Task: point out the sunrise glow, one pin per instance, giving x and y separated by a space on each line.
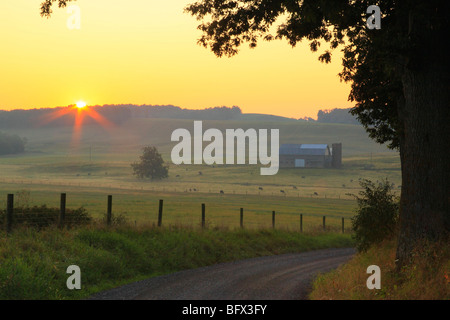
148 54
81 104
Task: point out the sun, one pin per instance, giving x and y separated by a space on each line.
81 104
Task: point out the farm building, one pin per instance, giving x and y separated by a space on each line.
310 156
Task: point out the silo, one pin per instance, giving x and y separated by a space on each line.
336 161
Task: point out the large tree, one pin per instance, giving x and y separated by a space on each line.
399 77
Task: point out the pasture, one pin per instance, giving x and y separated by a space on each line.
95 162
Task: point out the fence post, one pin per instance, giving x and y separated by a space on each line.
242 218
203 215
323 223
9 212
109 212
343 225
62 210
273 219
160 213
301 222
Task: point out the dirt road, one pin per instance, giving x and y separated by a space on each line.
282 277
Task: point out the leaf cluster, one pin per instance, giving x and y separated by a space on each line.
46 6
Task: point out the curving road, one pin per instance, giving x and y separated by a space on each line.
281 277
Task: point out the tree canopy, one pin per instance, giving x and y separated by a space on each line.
151 165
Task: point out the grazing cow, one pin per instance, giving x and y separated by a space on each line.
316 194
221 191
282 191
260 188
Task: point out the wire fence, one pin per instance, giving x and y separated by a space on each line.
41 216
63 217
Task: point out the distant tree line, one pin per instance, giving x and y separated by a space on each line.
65 116
60 116
334 116
120 113
11 144
216 113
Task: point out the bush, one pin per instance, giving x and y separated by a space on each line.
120 219
43 216
377 214
11 144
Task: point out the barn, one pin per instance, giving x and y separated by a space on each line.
310 156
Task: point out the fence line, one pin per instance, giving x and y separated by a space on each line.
62 210
61 222
248 191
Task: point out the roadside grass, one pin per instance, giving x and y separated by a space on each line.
426 277
33 263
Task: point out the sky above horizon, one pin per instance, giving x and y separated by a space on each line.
146 52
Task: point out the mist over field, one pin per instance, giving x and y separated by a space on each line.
94 158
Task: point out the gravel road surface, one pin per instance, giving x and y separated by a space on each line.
281 277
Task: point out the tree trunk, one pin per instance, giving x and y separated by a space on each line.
424 152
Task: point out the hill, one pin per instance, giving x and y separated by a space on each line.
125 140
264 117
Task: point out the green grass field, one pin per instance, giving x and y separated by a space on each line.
88 170
99 164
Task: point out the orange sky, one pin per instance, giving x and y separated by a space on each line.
146 52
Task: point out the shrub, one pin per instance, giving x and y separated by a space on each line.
377 214
11 144
120 219
43 216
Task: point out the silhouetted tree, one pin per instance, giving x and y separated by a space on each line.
399 76
151 165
